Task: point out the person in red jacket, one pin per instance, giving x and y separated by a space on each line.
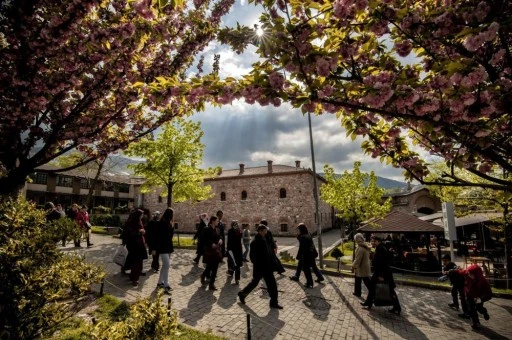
477 291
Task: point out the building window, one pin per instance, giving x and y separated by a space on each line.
64 181
223 196
108 186
40 178
244 195
282 193
124 187
84 183
159 199
284 227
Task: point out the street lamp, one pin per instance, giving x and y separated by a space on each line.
315 194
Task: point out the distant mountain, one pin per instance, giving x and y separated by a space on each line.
384 183
119 164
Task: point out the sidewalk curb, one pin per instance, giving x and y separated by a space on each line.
403 282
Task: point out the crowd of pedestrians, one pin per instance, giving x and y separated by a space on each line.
470 289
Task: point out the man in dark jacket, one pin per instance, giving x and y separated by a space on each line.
457 282
222 232
272 244
262 257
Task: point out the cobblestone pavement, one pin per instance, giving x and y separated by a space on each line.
328 311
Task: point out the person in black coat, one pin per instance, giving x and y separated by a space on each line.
164 247
381 273
262 257
222 232
133 238
151 239
203 222
306 253
212 255
457 282
234 249
272 244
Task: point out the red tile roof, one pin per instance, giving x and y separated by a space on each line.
400 222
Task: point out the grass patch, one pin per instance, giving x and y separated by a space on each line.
99 230
111 308
184 332
347 248
185 241
73 328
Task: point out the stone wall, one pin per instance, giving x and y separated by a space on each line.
263 202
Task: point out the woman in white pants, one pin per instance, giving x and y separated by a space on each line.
163 241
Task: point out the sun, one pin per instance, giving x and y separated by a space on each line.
259 32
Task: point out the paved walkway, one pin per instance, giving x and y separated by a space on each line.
328 311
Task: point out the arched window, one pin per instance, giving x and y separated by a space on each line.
223 196
160 199
282 193
244 195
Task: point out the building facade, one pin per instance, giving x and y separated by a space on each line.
283 195
415 200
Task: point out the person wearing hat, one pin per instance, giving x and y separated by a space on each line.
262 257
152 240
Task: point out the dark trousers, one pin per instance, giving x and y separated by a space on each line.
371 295
307 272
474 309
135 270
270 281
459 292
155 264
211 272
314 268
279 266
357 284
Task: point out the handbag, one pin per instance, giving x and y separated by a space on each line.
121 255
383 294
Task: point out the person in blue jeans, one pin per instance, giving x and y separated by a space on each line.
163 246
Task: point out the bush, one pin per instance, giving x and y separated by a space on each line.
106 220
101 210
66 228
148 319
122 209
40 286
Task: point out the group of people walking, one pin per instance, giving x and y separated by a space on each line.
76 213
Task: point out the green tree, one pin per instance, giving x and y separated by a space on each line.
41 287
172 161
355 195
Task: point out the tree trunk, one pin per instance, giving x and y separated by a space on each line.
169 194
12 184
94 182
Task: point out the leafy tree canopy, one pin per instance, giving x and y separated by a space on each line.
434 73
71 74
355 195
172 161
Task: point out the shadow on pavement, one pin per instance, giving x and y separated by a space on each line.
316 302
199 305
266 327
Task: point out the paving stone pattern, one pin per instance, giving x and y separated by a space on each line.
327 311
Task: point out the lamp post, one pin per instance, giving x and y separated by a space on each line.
315 194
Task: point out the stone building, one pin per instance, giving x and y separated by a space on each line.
281 194
415 200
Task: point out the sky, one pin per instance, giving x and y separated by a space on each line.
252 134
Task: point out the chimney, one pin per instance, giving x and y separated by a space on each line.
297 164
241 168
269 165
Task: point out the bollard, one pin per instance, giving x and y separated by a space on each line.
102 286
169 307
248 327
